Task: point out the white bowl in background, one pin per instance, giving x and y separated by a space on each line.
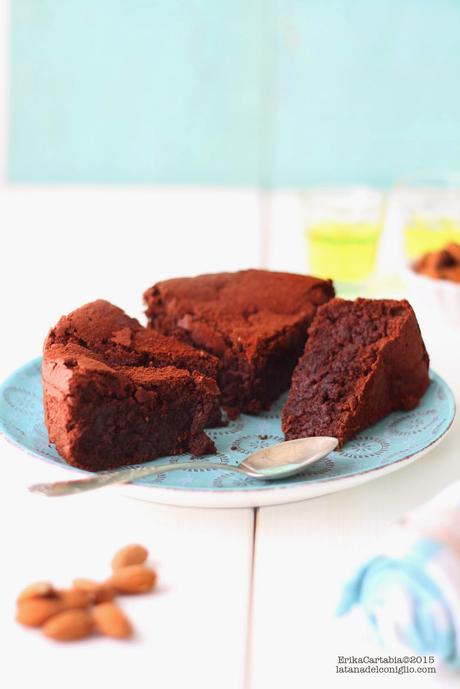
432 296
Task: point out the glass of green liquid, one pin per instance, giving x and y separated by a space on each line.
430 208
342 231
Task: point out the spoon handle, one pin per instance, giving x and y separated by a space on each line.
125 475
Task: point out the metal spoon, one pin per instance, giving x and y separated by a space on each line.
270 463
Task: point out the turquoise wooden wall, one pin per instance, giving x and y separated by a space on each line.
233 92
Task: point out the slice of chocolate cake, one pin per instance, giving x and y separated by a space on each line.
254 321
363 360
116 393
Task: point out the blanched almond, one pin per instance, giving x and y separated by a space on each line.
75 598
133 554
33 612
39 589
100 593
112 621
133 579
69 625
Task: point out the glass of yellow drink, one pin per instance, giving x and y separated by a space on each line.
430 213
342 230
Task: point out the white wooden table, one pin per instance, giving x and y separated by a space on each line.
246 597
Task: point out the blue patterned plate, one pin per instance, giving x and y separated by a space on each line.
391 444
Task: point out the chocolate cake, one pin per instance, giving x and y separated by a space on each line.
254 321
363 360
443 264
116 393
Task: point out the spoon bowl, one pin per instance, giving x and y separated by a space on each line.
288 458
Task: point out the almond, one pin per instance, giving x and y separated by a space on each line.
40 589
133 554
112 621
75 598
69 625
33 612
100 593
133 579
